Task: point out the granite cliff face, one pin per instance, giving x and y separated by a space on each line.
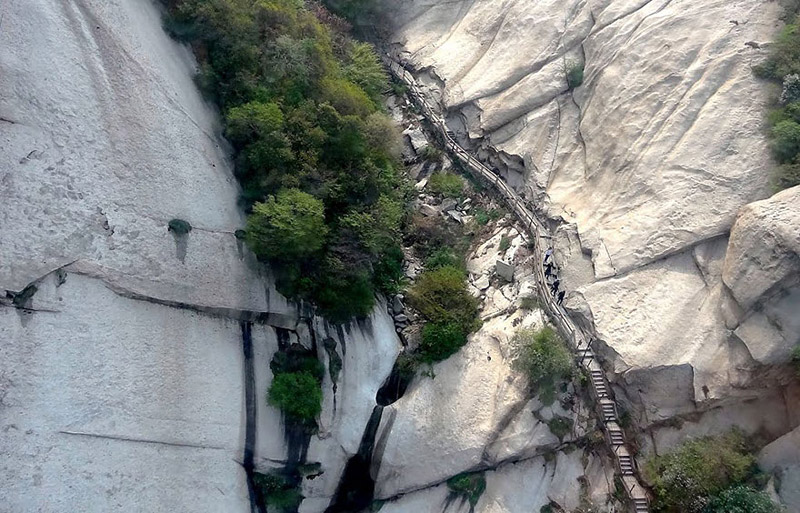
134 362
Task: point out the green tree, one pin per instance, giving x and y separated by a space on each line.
742 499
685 479
287 226
541 355
297 394
440 341
441 296
364 69
786 141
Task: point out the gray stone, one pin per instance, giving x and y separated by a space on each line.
421 184
456 216
448 204
504 270
397 303
428 210
401 318
417 139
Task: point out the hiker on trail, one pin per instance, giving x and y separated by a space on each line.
560 297
548 254
554 286
548 269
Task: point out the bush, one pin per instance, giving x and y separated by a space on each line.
288 226
560 426
440 341
469 486
685 479
297 394
432 153
444 257
786 176
278 492
786 141
447 185
179 226
574 71
542 356
505 243
441 296
742 499
530 303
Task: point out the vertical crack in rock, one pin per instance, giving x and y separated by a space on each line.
357 485
250 416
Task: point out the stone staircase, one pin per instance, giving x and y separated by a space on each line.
580 341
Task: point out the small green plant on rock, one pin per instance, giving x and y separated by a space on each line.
179 226
560 426
469 486
505 243
447 185
530 302
277 492
542 356
574 71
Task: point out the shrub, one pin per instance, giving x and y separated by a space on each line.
574 71
289 225
786 141
530 303
179 226
447 185
432 153
542 356
796 358
277 492
441 296
297 394
560 426
505 243
440 341
443 257
742 499
469 486
685 479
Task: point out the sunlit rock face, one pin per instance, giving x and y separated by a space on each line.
123 362
645 168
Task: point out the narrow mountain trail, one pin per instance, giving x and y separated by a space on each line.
579 340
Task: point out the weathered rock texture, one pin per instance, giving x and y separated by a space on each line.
644 168
122 365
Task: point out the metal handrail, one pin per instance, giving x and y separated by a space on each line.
573 333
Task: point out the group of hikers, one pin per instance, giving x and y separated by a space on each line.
550 274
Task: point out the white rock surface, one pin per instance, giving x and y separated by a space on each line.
782 457
138 354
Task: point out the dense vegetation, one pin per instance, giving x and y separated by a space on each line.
706 475
544 358
317 159
278 492
783 66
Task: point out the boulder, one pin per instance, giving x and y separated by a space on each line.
416 139
504 270
448 204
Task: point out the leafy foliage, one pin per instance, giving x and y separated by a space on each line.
278 492
783 65
574 72
317 160
796 358
447 185
505 243
686 479
560 426
297 394
179 226
542 356
469 486
290 225
743 499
